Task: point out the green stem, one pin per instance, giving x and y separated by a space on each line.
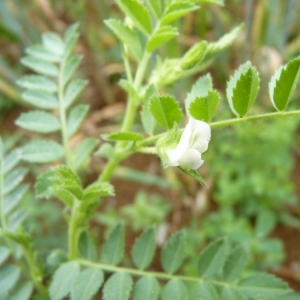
74 232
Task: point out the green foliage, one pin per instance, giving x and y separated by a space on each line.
123 136
175 289
193 56
146 288
161 36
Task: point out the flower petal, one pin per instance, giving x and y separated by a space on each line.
191 159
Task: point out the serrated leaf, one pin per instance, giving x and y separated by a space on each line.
212 258
41 67
71 66
138 13
283 83
4 253
97 190
106 150
38 121
234 264
53 43
205 291
76 117
40 99
43 185
63 280
23 292
41 53
70 38
146 288
265 223
11 200
118 287
37 82
127 36
74 88
161 36
155 6
83 151
123 136
264 286
193 56
177 10
229 293
144 249
87 284
9 275
203 108
13 179
15 220
42 151
11 160
194 174
242 89
113 249
165 110
175 290
146 116
173 252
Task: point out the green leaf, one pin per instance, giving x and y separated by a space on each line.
161 36
283 83
76 117
37 82
53 43
43 185
106 150
12 200
11 160
263 286
113 249
4 253
242 89
217 2
42 151
234 264
212 258
71 65
155 6
177 10
173 252
194 174
63 280
23 292
265 223
13 179
15 219
83 151
38 121
205 291
9 276
175 290
230 293
41 53
200 89
146 116
193 56
138 13
123 136
40 99
127 36
87 284
144 249
41 67
146 288
97 190
203 108
87 247
74 88
118 287
166 111
70 38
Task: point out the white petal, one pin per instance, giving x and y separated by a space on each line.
200 145
191 159
200 129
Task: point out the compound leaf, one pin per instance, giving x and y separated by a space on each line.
74 88
76 117
37 82
53 43
40 99
41 67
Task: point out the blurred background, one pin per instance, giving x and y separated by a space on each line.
253 170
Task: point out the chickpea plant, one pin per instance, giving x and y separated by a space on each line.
52 93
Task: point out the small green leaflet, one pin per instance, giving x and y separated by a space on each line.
41 53
148 121
23 292
106 150
37 82
161 36
173 252
242 89
72 64
53 43
146 288
13 199
265 223
194 174
113 249
38 121
42 151
166 111
4 253
40 99
155 6
63 280
283 83
203 108
127 36
96 190
13 179
175 290
9 275
41 67
231 293
193 56
118 287
123 136
43 185
70 38
138 13
74 88
217 2
11 160
76 117
205 291
144 249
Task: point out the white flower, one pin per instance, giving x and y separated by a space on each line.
194 141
